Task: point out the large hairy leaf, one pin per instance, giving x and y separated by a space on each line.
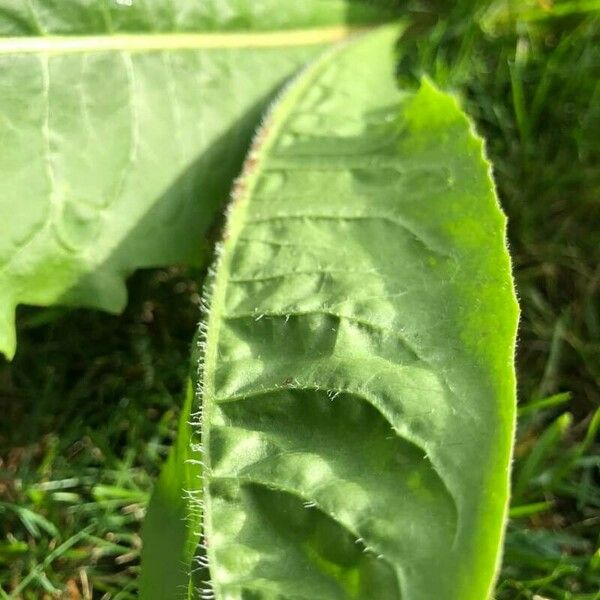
357 384
171 526
120 139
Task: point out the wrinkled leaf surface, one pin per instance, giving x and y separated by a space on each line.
358 386
122 125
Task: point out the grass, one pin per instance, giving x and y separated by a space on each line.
89 405
89 408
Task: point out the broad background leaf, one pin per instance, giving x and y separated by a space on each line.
121 131
358 389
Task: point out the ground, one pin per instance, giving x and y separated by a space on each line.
89 406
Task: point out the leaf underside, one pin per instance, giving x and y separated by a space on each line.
358 387
117 158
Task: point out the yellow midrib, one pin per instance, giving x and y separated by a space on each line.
175 41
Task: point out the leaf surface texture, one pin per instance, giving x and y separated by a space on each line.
358 385
123 124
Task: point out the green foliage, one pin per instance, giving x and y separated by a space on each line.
81 433
361 325
84 425
43 17
529 75
121 140
553 539
172 523
84 430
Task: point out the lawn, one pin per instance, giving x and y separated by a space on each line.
90 403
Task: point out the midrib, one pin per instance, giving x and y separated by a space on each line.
175 41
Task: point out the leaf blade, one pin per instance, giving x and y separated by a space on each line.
120 147
364 287
43 17
173 518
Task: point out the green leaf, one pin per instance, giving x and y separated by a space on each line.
358 387
43 17
171 526
123 124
